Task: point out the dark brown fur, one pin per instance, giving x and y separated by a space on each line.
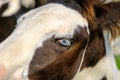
111 19
102 16
7 24
104 78
95 50
57 62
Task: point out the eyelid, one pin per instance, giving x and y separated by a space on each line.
56 39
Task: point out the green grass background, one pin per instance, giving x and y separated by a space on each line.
117 59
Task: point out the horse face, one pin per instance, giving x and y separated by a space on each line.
55 34
62 40
63 44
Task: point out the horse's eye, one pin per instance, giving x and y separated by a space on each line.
65 42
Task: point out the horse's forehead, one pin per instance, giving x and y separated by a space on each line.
52 18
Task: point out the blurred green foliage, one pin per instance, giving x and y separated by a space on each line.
117 58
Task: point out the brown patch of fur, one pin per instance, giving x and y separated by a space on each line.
88 10
55 62
102 16
95 50
111 19
40 2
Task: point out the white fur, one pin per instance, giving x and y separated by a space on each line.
105 67
116 45
38 25
14 5
107 1
28 3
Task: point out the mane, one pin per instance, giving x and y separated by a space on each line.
102 16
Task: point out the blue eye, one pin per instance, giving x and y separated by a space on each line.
65 42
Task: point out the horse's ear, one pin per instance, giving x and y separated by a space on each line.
108 17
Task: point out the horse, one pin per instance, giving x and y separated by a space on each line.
63 40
